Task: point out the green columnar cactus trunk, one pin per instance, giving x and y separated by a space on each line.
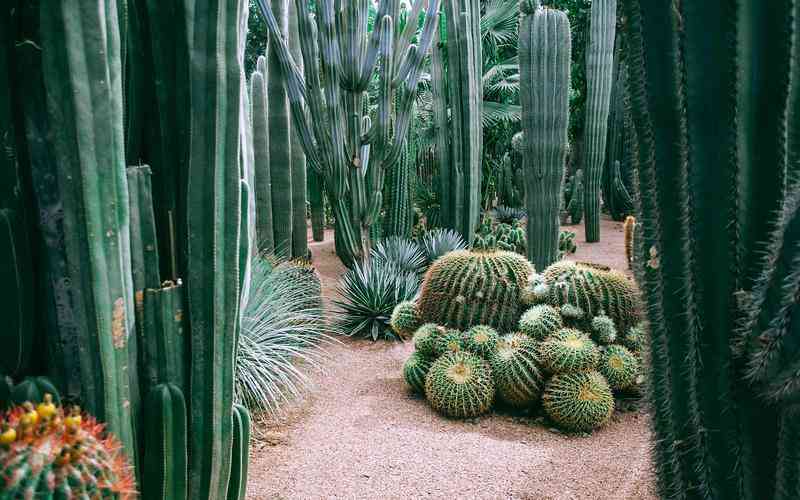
16 270
316 199
544 57
169 29
464 85
165 463
329 97
712 86
397 221
280 144
214 223
441 124
82 73
241 453
599 66
298 157
263 187
164 343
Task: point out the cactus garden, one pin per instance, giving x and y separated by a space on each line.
374 249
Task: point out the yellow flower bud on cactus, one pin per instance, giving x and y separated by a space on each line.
8 436
46 409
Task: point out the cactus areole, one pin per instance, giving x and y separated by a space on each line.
340 57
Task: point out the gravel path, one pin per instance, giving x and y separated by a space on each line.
361 434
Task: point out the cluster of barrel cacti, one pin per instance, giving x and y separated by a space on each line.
111 84
570 358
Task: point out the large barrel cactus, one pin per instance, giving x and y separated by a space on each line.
544 53
715 91
599 69
464 289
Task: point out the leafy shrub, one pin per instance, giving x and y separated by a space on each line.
283 335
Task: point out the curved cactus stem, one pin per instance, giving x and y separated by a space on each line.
164 475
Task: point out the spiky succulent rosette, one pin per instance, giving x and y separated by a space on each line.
603 330
426 338
466 288
405 318
460 385
568 350
481 340
619 366
635 338
580 401
46 452
596 289
414 371
451 341
516 372
540 321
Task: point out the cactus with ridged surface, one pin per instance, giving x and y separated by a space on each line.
517 376
619 366
164 470
426 338
163 345
714 99
82 75
298 157
481 340
341 57
540 321
599 75
237 489
544 55
405 318
415 370
568 350
460 385
398 199
265 235
464 289
49 452
575 206
579 402
214 223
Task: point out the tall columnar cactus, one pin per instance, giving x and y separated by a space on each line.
340 57
265 236
398 216
544 56
280 133
714 88
617 180
82 75
165 451
298 157
599 69
214 220
464 70
237 488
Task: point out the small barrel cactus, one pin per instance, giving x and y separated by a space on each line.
426 337
619 366
481 340
47 452
451 341
464 289
580 401
567 351
635 338
516 372
414 371
539 322
460 385
603 329
405 318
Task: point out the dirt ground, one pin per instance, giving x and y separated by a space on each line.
359 433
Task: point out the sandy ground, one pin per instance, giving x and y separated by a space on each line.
361 434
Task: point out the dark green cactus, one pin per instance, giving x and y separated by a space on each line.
575 205
298 158
163 344
263 188
398 217
33 389
617 181
214 222
316 200
599 69
341 57
544 53
82 74
464 289
164 470
466 130
237 489
714 95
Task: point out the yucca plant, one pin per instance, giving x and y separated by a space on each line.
509 215
401 252
283 337
438 242
369 293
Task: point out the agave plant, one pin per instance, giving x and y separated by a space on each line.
401 252
509 215
283 335
438 242
369 293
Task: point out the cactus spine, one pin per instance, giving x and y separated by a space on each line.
263 187
82 74
544 54
599 66
298 158
712 85
214 219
